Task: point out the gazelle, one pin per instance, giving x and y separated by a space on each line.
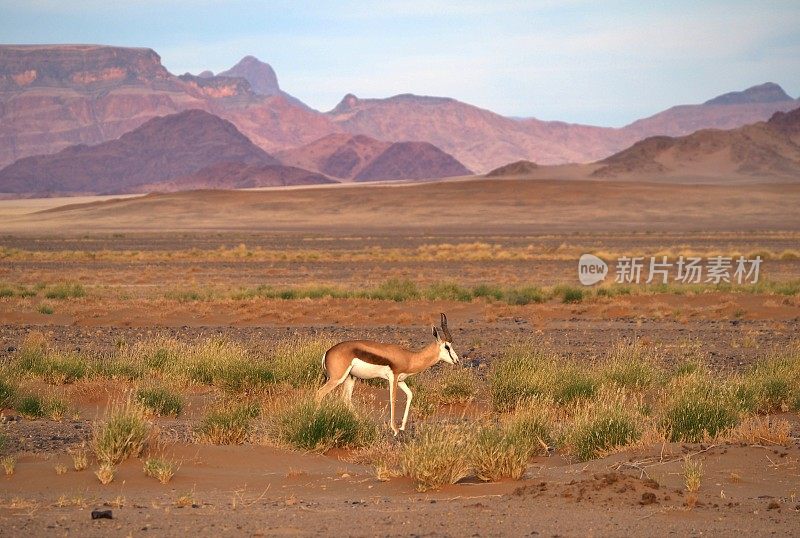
362 359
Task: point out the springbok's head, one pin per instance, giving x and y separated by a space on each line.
445 341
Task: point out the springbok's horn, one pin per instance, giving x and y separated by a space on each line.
446 331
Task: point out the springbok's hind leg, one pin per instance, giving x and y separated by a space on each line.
347 390
409 396
331 384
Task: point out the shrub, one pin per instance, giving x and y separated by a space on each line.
696 407
64 291
228 424
330 424
122 433
160 401
436 456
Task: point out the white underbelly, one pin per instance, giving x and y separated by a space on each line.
365 370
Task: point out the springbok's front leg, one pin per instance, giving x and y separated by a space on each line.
409 396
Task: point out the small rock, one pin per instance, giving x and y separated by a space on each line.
648 497
102 514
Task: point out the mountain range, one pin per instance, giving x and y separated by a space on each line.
59 95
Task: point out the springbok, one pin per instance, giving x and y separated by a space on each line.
362 359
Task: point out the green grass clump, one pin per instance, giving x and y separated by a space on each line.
298 362
574 384
696 406
45 309
395 289
522 372
437 456
602 426
54 367
457 385
569 294
65 291
308 426
160 469
31 406
488 291
533 424
160 401
228 424
773 383
448 291
121 433
524 295
8 390
498 454
526 371
631 366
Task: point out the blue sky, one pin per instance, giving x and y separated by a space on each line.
596 62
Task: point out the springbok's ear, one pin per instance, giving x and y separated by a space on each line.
436 333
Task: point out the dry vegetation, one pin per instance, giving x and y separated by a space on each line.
531 401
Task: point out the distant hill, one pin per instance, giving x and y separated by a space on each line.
160 150
239 175
338 155
54 96
362 158
763 149
412 160
519 168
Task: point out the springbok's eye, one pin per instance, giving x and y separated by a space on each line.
447 347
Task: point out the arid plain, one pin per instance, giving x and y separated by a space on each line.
108 301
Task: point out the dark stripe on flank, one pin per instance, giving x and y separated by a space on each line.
370 357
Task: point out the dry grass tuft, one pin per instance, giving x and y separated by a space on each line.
160 469
437 456
122 433
9 464
761 430
80 458
105 473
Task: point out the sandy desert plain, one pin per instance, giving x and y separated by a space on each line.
171 344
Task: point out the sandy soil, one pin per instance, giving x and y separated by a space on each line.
490 205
